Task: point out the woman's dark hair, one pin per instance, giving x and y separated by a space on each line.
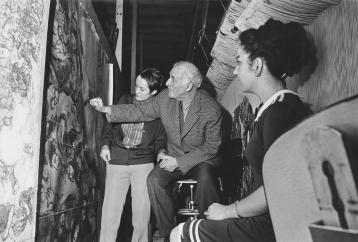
154 78
284 47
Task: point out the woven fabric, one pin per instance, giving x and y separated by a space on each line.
242 128
300 11
132 134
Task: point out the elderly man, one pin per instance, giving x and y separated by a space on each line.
192 121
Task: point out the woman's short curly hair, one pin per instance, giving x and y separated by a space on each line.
154 78
284 46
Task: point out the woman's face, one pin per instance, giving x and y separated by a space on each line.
142 91
243 72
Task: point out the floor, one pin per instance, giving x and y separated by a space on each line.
156 238
125 229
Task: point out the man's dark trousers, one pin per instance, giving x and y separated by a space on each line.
160 185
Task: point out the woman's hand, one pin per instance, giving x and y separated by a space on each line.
105 154
218 211
97 104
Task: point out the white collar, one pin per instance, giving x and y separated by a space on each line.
272 100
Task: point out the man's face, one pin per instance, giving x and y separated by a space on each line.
177 83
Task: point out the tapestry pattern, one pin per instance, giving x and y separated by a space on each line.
70 194
22 57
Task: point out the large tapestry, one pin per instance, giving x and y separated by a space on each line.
22 60
70 176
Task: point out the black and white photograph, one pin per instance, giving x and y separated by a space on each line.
179 120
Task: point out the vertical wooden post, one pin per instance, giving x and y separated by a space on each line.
140 49
134 43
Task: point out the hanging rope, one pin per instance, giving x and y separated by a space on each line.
201 33
207 61
202 36
226 43
207 40
222 4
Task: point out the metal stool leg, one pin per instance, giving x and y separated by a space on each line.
190 209
191 202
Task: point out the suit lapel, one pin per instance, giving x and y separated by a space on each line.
192 115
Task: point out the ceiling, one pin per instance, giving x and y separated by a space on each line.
164 31
167 31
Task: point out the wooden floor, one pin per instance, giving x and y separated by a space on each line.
156 238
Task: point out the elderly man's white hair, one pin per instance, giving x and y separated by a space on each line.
191 72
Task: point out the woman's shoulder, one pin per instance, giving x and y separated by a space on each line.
278 109
290 109
293 103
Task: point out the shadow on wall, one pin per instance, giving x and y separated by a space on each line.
231 168
336 37
230 150
305 74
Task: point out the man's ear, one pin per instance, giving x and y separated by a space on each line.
189 86
154 92
257 66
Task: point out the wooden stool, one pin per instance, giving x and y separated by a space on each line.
190 210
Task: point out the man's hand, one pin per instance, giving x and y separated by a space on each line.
105 154
97 103
218 211
161 154
168 163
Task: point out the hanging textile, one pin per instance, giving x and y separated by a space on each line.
242 128
300 11
246 14
226 42
220 76
220 72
